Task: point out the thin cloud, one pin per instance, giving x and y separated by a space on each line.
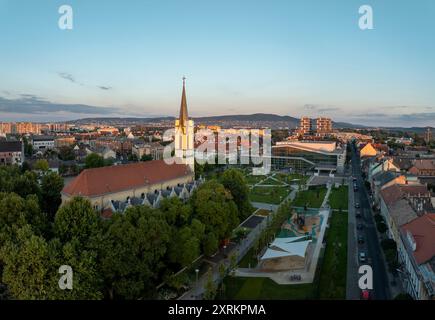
69 77
104 88
30 104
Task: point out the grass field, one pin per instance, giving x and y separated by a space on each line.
272 195
270 181
332 281
339 198
312 197
251 179
264 288
249 260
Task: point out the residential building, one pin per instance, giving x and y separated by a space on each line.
368 151
423 167
305 127
323 126
416 248
11 152
42 143
400 204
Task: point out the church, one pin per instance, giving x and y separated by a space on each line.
115 188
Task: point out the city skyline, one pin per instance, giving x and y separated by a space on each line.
290 58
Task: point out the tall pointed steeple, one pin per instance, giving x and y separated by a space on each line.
184 134
184 117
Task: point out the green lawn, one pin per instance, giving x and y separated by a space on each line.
312 197
272 195
339 198
264 288
248 260
332 281
270 181
251 179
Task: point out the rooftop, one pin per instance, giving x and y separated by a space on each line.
98 181
10 146
422 230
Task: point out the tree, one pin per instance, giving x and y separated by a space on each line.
87 280
94 160
26 184
382 227
210 287
235 182
131 258
210 244
215 208
184 248
175 211
27 266
32 263
25 167
76 220
51 186
16 212
66 153
41 165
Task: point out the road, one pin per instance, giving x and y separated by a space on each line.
371 245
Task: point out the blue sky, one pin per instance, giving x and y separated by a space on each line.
294 58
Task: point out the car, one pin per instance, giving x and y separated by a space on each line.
365 295
359 226
360 239
362 256
358 214
357 205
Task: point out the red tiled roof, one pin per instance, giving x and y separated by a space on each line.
391 194
397 191
424 164
98 181
423 232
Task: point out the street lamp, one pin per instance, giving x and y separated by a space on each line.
225 251
197 271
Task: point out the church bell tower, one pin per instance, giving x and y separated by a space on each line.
184 134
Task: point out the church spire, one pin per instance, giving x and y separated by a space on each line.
183 108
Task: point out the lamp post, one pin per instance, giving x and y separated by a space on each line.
225 251
197 271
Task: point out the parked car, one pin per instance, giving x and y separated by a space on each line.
360 239
357 205
359 226
365 295
362 257
358 214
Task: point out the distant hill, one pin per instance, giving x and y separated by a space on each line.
260 119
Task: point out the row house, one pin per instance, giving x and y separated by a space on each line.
423 167
416 247
401 204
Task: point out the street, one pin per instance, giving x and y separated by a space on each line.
367 231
